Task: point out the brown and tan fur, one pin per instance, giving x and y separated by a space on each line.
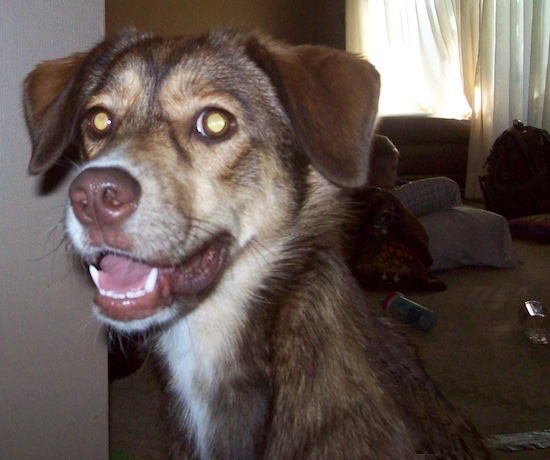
275 355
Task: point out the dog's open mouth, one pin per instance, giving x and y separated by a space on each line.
128 289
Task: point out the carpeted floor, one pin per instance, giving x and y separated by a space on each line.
476 353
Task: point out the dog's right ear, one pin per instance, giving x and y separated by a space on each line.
46 96
331 98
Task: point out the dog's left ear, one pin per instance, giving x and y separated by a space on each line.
331 97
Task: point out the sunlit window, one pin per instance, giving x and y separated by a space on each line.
414 45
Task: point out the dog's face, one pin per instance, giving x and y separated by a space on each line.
194 151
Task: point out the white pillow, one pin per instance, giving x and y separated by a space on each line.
466 236
424 196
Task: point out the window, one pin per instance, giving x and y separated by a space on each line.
414 45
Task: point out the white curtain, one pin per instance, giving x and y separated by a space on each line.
506 73
414 45
503 62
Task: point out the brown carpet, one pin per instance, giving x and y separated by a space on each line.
476 353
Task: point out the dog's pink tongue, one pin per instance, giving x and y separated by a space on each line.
121 274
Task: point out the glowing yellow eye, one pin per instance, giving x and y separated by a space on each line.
101 121
213 123
216 123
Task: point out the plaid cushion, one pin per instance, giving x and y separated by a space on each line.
425 196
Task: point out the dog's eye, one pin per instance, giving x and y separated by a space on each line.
214 123
99 123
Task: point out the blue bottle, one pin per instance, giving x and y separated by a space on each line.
409 312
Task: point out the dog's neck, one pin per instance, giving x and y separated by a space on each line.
222 346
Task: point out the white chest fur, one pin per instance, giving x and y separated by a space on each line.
196 348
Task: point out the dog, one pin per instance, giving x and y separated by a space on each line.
212 200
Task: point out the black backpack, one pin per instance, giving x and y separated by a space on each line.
517 182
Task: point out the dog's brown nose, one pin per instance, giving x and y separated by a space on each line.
104 196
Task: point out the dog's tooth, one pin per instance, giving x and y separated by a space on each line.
151 280
94 273
135 294
111 294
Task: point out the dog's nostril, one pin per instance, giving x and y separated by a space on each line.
110 196
79 203
104 196
78 196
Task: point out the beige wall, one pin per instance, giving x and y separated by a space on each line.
53 360
297 21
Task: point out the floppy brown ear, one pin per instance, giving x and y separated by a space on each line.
332 99
46 91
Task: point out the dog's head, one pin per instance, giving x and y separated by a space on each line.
190 149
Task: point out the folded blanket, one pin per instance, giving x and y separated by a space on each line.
390 245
